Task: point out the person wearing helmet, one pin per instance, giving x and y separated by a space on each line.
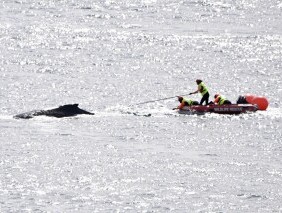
185 102
220 100
202 88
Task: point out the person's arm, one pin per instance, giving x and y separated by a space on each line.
180 106
198 90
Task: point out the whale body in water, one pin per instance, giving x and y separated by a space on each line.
62 111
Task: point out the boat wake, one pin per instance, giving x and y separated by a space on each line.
271 112
164 111
6 117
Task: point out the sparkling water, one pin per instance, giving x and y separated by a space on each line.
109 56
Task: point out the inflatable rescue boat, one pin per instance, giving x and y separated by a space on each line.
245 104
220 109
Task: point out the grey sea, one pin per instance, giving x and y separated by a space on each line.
111 56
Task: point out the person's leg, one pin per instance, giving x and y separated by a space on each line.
206 96
202 100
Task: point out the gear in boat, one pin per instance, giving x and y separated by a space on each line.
245 103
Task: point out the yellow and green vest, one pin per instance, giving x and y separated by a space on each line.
189 101
221 100
204 88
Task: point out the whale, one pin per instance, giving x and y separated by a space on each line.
67 110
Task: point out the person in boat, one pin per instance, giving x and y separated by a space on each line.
202 88
220 100
185 102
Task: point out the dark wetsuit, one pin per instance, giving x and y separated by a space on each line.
205 98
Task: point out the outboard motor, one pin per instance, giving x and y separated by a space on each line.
260 101
241 100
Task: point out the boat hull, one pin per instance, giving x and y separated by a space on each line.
219 109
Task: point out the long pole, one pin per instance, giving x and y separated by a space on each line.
161 99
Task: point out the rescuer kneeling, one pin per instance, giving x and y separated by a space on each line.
220 100
185 102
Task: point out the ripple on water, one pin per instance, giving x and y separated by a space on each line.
109 56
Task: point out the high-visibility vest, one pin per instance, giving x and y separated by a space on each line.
204 88
189 101
221 100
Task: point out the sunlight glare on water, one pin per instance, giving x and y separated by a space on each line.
121 60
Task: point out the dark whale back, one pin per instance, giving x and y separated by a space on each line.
62 111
